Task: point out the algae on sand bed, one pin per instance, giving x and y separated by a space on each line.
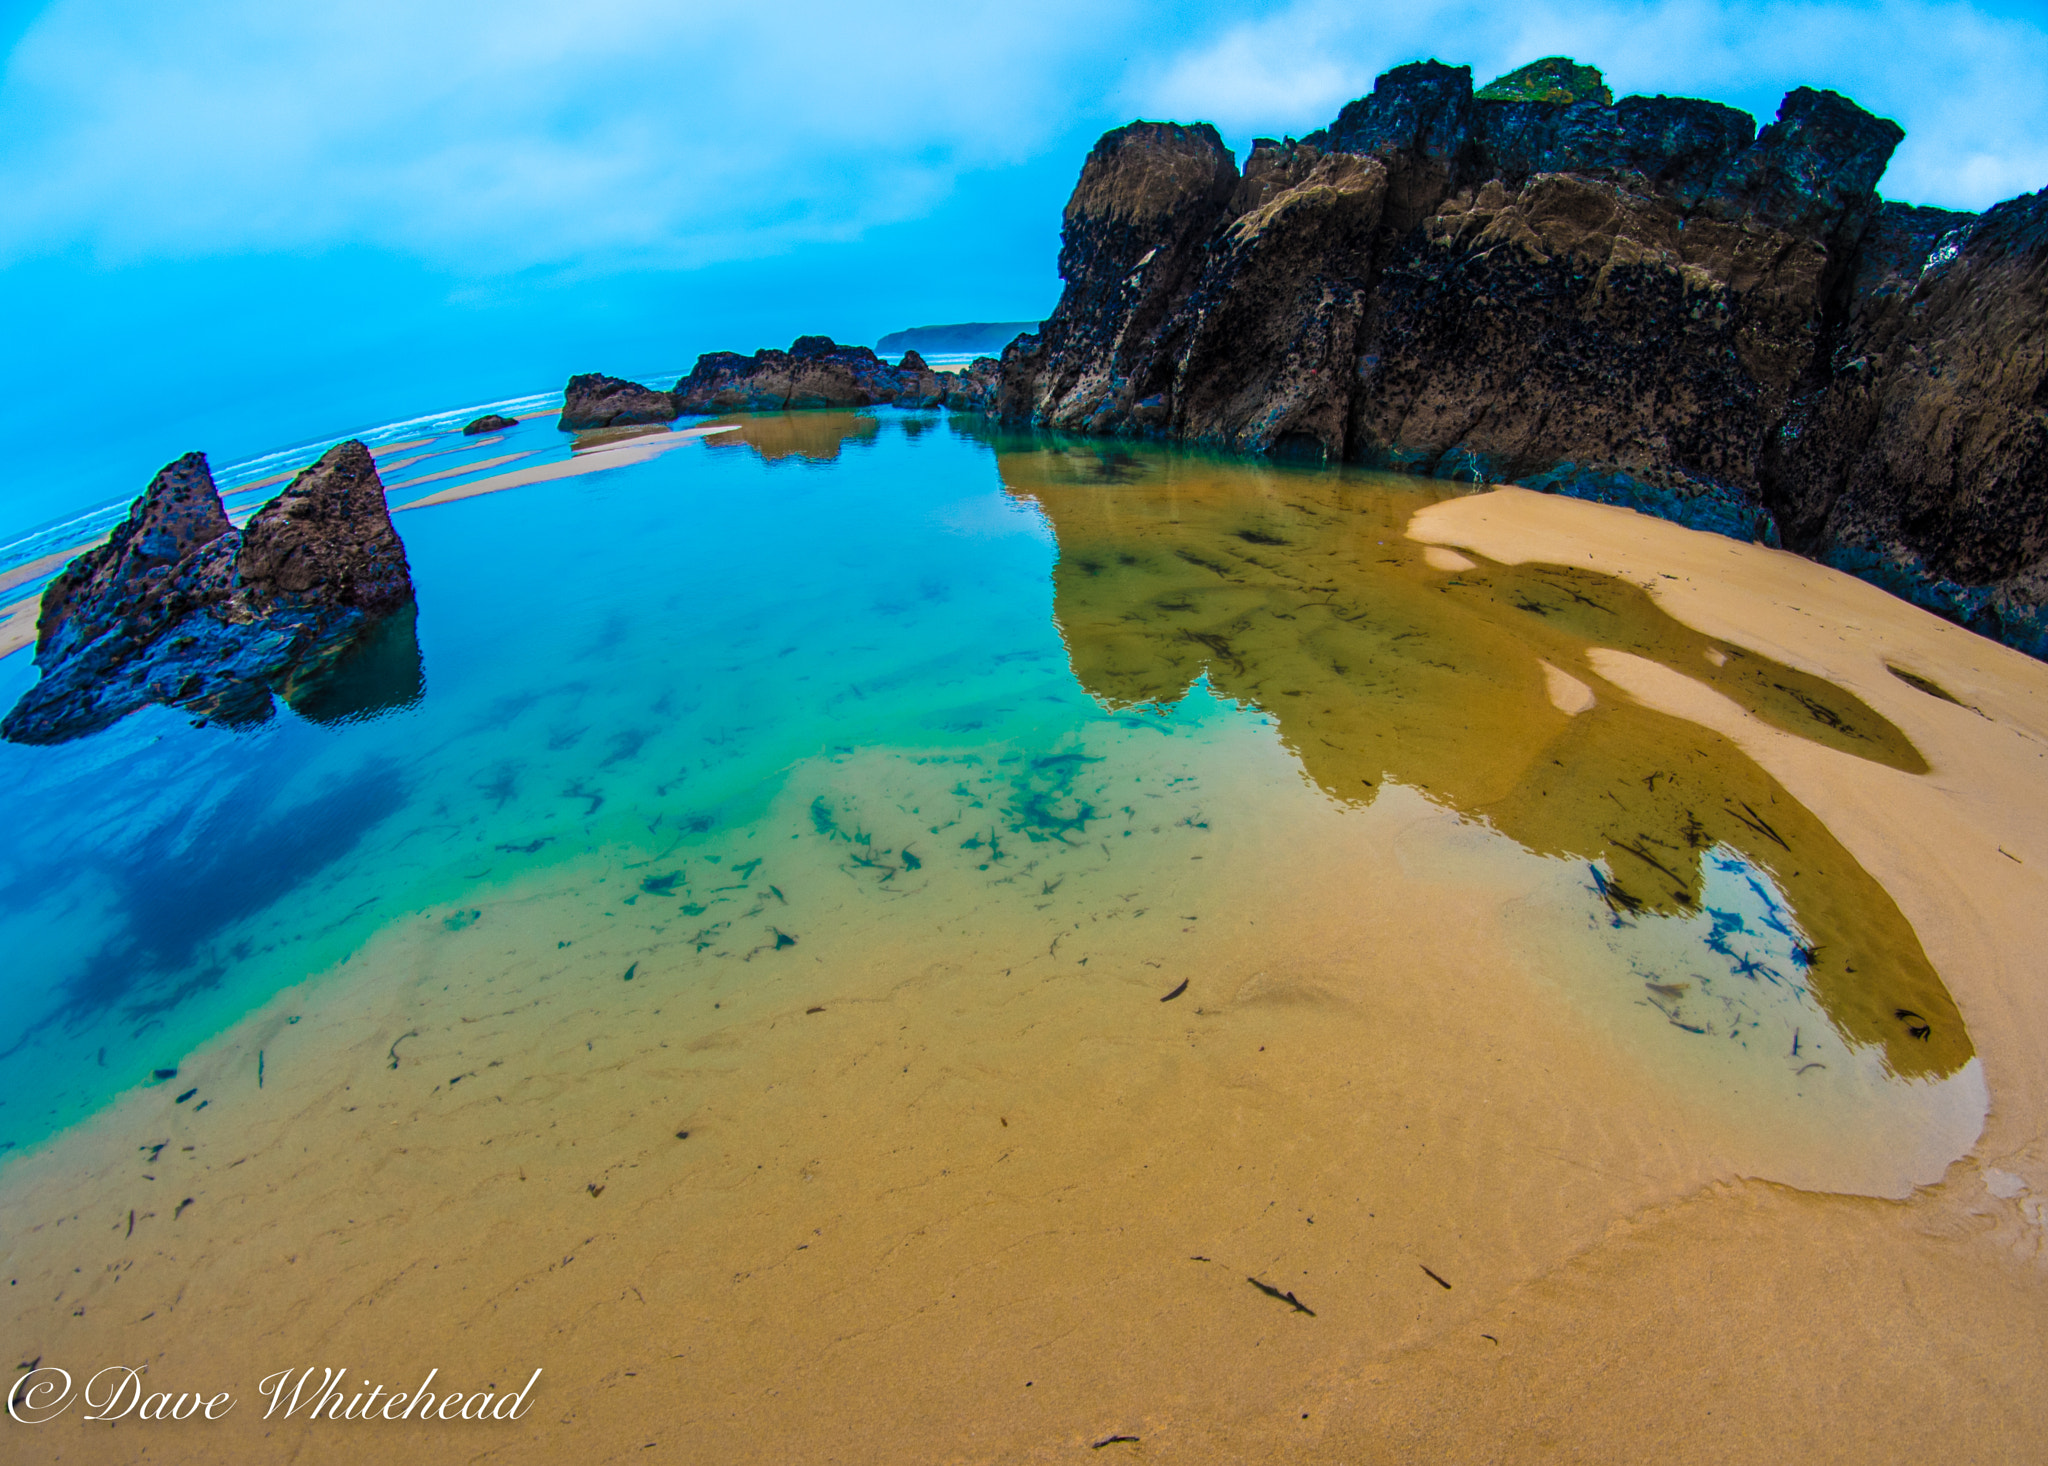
1300 593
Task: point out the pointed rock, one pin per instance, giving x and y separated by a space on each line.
180 609
163 561
326 541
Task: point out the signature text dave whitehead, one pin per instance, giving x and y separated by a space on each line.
118 1393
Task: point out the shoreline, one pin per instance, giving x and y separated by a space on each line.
985 1223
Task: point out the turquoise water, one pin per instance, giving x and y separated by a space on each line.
638 679
619 658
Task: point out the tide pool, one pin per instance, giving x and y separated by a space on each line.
625 670
852 908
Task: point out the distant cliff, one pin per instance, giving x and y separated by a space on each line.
985 337
1647 302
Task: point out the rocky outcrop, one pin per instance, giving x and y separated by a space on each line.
325 542
1445 282
595 400
173 555
490 422
1919 456
178 607
980 387
815 372
1646 302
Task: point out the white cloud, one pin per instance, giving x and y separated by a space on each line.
493 136
1969 86
514 132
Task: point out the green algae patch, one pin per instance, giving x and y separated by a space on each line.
1557 79
1300 594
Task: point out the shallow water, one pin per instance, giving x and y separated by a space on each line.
837 694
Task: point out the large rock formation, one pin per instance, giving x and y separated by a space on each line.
178 607
1917 453
1645 301
815 372
595 400
325 542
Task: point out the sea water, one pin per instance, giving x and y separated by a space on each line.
819 687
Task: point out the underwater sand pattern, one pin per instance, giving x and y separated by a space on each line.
943 1002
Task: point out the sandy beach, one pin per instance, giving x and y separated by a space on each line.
964 1188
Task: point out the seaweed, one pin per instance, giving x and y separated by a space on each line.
1288 1298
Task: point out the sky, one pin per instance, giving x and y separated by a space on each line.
235 225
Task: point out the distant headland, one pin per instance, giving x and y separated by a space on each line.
982 337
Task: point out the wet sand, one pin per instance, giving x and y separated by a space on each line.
38 568
18 624
477 467
967 1189
620 453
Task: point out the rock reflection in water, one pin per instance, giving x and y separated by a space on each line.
379 671
813 436
1300 593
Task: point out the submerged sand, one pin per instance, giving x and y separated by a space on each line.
18 624
969 1190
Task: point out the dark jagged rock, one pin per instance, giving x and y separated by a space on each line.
1424 110
815 372
595 400
180 608
1677 145
979 388
490 422
1419 122
1574 324
172 555
1922 458
1137 231
325 542
1812 173
1574 321
1815 448
1645 302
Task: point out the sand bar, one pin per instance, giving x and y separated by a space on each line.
385 448
594 460
44 565
459 469
18 625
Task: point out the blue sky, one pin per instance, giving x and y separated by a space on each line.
233 224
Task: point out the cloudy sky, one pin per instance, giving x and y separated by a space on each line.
232 224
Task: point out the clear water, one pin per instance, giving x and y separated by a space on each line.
892 650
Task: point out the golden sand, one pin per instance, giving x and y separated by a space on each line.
460 468
18 624
635 448
386 448
958 1185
